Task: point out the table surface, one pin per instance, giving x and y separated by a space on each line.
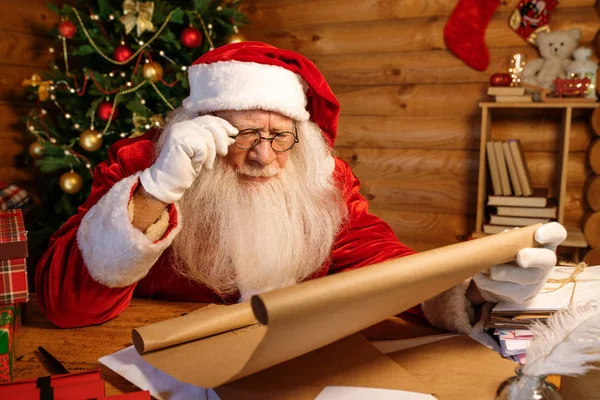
80 348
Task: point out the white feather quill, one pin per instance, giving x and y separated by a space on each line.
568 345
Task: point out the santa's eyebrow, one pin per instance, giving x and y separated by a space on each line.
262 129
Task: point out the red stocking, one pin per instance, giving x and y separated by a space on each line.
464 32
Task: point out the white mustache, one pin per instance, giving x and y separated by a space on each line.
267 171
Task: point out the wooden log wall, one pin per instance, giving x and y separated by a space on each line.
24 44
409 124
410 117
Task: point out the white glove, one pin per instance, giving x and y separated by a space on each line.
189 146
523 279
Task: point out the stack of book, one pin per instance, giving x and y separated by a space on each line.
509 94
511 321
517 202
514 343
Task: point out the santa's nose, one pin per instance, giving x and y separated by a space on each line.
263 153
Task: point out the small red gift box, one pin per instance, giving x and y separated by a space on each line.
13 236
72 386
13 253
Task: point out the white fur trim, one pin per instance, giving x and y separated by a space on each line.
236 85
451 310
117 254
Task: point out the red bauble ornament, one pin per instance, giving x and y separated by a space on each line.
191 37
500 79
67 29
104 110
122 53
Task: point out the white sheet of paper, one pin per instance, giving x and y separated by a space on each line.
131 366
551 301
360 393
516 344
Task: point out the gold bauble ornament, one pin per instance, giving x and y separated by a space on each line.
152 71
71 182
90 140
36 150
235 38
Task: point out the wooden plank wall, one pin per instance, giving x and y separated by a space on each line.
409 123
24 44
410 118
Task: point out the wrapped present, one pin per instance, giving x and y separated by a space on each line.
13 281
12 196
10 320
13 236
72 386
13 253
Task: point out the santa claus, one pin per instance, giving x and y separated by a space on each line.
240 194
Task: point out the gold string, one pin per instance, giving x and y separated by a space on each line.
64 44
87 35
212 46
114 106
578 268
162 96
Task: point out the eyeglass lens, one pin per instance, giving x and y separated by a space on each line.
282 141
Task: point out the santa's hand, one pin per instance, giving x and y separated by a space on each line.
189 146
525 277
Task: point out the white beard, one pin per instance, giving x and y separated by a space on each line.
253 237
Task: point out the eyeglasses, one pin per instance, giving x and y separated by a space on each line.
247 139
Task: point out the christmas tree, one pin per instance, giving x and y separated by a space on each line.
120 67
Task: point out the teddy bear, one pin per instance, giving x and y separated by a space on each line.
556 49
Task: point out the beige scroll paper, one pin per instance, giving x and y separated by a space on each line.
216 345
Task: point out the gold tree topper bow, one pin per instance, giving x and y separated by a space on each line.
43 86
138 13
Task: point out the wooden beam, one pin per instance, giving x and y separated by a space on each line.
412 100
445 181
444 196
13 142
592 192
594 155
452 133
25 49
399 164
415 67
34 18
265 14
591 228
405 35
418 230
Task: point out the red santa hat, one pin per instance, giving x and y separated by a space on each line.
254 75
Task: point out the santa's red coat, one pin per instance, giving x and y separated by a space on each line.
70 297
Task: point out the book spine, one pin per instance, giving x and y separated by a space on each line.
512 169
521 165
506 190
494 174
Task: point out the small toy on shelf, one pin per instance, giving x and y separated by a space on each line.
583 67
571 87
556 49
564 90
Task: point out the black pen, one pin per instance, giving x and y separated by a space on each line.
54 364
